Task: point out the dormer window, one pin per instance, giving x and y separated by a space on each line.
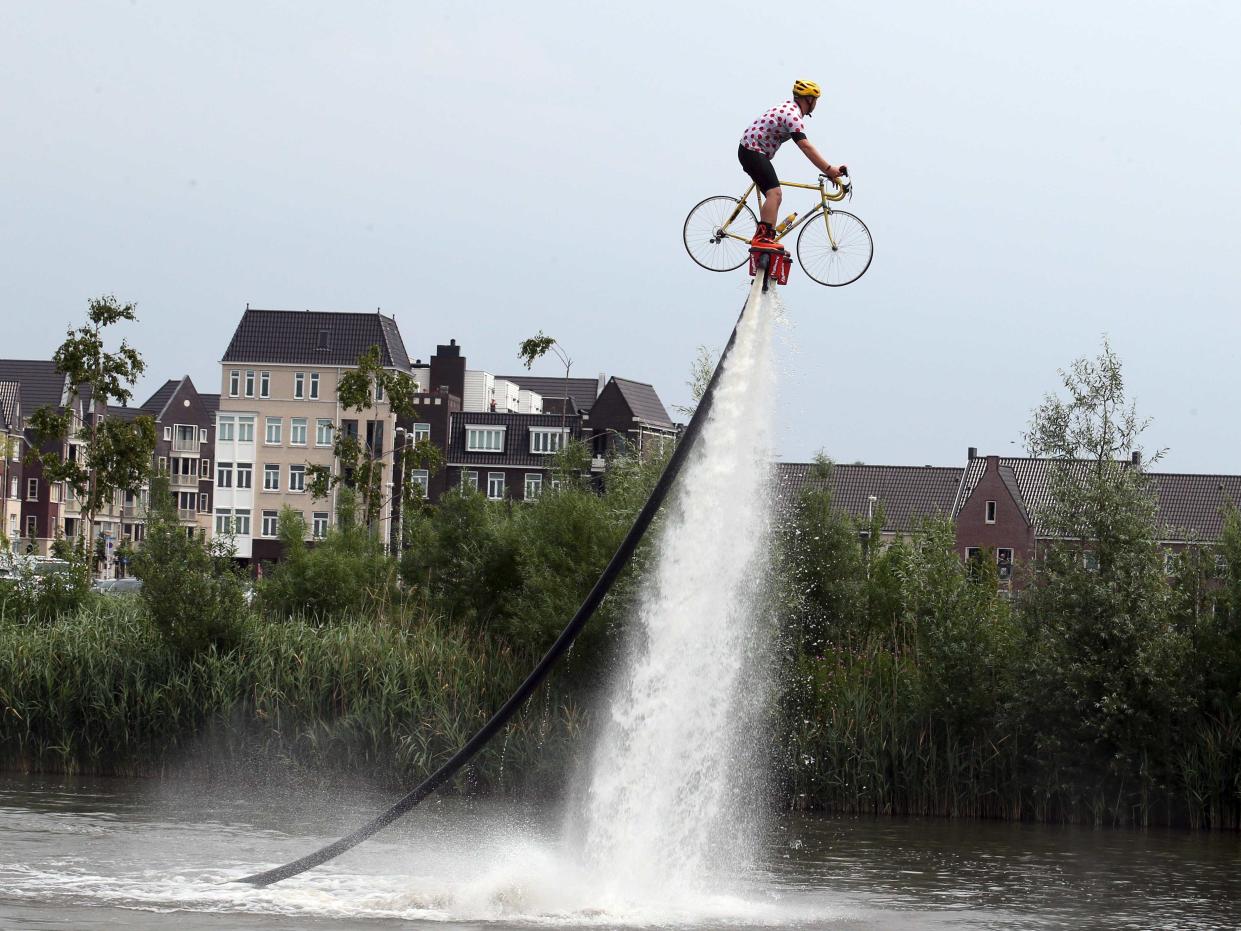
322 339
487 439
990 516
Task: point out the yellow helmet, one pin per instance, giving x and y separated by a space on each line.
805 89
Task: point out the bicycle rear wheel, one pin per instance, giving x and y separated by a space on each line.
715 238
837 259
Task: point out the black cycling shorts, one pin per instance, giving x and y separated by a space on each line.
758 166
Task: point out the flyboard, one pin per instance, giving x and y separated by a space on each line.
766 265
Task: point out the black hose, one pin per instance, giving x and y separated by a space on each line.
544 667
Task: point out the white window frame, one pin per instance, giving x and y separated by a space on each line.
278 424
319 524
204 469
323 432
271 469
245 429
495 477
1000 562
421 478
202 434
297 478
264 384
534 481
223 521
299 385
224 428
270 523
234 383
474 431
294 424
1170 559
32 489
988 514
314 386
422 431
244 470
469 479
547 441
223 475
202 502
32 526
168 434
239 528
249 383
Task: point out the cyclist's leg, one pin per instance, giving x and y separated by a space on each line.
763 173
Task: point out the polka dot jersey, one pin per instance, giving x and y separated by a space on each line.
773 128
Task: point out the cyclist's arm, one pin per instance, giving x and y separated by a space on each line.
816 159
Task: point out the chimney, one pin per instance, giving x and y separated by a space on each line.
972 452
1136 458
448 368
601 384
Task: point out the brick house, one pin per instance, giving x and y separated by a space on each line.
12 445
629 414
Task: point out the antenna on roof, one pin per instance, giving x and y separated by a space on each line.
247 305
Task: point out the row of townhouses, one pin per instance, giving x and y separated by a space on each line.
235 458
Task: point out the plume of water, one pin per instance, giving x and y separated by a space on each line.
673 797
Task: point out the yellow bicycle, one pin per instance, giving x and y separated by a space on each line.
834 247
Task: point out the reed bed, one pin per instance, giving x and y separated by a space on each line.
99 692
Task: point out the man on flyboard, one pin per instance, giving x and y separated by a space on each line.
759 144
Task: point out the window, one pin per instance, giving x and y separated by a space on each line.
421 478
990 518
271 477
245 429
234 383
323 433
534 484
495 485
271 520
168 433
299 384
297 478
224 475
249 383
54 492
1090 561
1004 563
422 431
186 438
224 428
314 385
32 526
264 384
297 431
469 479
484 439
162 465
32 489
14 487
202 503
273 431
379 390
223 521
245 475
202 434
973 553
546 441
1169 563
185 502
205 471
241 522
319 525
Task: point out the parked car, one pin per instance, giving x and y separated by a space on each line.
102 585
126 586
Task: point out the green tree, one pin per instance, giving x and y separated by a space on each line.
532 349
117 453
359 457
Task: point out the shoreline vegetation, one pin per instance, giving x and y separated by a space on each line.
1107 691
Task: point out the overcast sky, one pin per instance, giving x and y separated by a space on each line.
1035 175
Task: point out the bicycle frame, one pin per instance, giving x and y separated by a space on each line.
823 208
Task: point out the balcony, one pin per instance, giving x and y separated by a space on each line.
187 515
183 481
133 511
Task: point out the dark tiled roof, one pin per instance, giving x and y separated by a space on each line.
516 439
907 494
1193 506
129 413
210 401
644 403
10 406
582 390
156 403
41 383
1190 506
293 337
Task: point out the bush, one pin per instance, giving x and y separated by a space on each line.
193 592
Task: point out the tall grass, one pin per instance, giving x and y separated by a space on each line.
99 692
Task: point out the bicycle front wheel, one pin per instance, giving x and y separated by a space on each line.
835 248
718 231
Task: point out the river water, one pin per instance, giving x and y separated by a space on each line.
127 854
